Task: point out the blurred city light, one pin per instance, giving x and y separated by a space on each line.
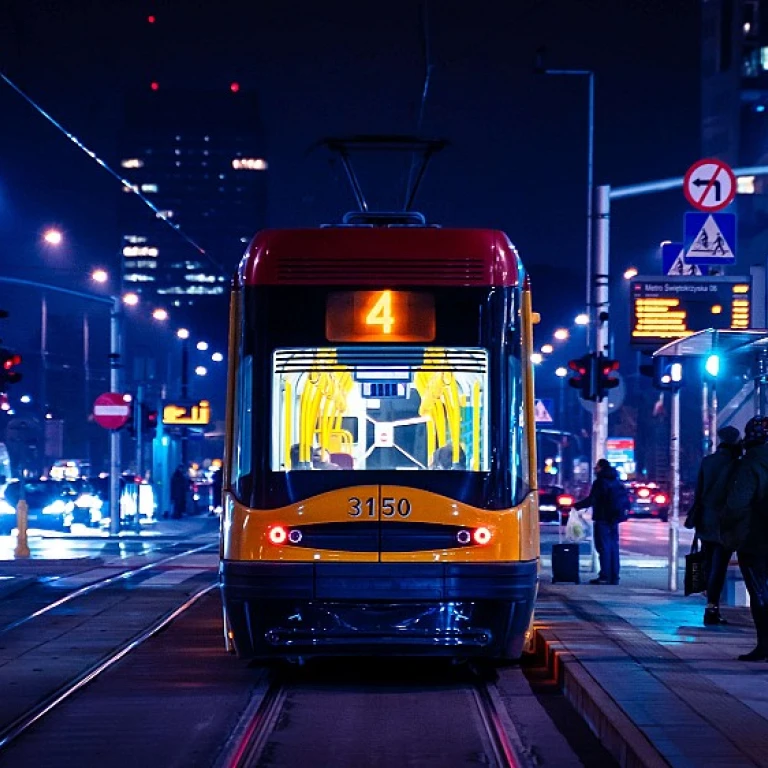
560 372
217 357
712 366
25 399
547 349
99 275
234 87
582 319
131 299
53 237
202 345
5 406
561 334
182 333
201 370
536 358
48 415
630 272
160 314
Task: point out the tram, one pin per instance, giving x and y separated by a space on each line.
380 475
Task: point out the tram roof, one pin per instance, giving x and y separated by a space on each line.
397 256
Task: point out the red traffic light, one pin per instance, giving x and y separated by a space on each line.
9 362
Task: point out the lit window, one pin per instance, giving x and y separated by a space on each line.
138 277
764 57
132 251
144 264
164 214
149 187
134 239
132 162
745 185
198 278
249 164
130 187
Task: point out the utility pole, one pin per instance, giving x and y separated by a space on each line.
674 523
115 383
600 312
184 397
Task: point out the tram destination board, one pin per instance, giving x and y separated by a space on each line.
663 309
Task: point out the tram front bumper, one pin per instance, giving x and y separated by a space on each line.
279 609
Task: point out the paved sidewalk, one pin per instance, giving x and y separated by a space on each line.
657 686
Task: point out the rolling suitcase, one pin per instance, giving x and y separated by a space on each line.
565 563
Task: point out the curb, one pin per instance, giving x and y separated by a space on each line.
12 584
617 733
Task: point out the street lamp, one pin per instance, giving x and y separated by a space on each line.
53 237
183 334
547 349
131 299
561 334
561 373
202 346
201 370
99 275
582 319
160 314
536 358
217 357
630 272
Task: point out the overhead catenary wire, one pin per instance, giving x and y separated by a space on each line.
132 188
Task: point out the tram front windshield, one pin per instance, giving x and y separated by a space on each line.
369 408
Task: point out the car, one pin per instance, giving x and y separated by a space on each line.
7 517
46 507
89 508
648 500
554 504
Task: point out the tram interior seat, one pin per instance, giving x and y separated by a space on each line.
343 460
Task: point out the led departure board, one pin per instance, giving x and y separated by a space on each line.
380 316
668 308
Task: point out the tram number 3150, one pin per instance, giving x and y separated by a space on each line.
390 507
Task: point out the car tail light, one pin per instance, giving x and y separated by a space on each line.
481 536
660 498
564 500
643 493
278 534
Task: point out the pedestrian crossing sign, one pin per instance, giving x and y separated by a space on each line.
710 238
679 265
542 410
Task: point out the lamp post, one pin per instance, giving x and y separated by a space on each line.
561 373
183 334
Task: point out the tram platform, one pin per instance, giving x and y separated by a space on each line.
656 686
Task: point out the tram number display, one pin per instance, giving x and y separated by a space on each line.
380 316
390 507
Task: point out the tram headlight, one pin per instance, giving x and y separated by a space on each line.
463 537
277 534
481 536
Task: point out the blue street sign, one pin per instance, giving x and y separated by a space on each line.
669 253
709 238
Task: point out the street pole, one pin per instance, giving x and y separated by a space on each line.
184 397
44 353
674 523
115 344
600 309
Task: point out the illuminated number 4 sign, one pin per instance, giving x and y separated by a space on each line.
381 313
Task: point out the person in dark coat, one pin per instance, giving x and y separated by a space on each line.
179 488
744 527
715 475
605 520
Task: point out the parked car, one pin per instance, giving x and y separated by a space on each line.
554 504
648 500
47 507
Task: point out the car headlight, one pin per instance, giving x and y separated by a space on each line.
58 507
88 500
6 508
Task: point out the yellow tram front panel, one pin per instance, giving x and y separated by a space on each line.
247 531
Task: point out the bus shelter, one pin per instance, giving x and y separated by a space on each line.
750 349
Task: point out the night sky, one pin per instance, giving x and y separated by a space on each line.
517 158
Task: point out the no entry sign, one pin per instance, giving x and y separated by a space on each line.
709 185
111 410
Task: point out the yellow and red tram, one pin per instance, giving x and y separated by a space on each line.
380 485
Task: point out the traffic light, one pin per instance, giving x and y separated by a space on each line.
667 372
606 378
8 362
149 421
582 380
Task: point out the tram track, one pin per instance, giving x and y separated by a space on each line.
272 703
32 716
101 583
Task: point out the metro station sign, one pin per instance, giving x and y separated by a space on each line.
663 309
192 415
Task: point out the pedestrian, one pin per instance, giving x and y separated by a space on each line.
715 475
216 487
744 527
179 488
609 500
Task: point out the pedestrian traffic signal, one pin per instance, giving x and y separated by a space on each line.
8 362
149 421
582 380
667 373
606 375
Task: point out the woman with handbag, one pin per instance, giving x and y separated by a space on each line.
744 527
715 474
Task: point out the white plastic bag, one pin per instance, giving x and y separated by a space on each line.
577 527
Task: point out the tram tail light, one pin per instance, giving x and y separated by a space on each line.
660 498
564 500
277 534
481 536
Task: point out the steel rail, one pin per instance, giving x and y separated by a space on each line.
508 748
257 723
100 584
32 716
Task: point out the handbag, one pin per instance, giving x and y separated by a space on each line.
695 570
